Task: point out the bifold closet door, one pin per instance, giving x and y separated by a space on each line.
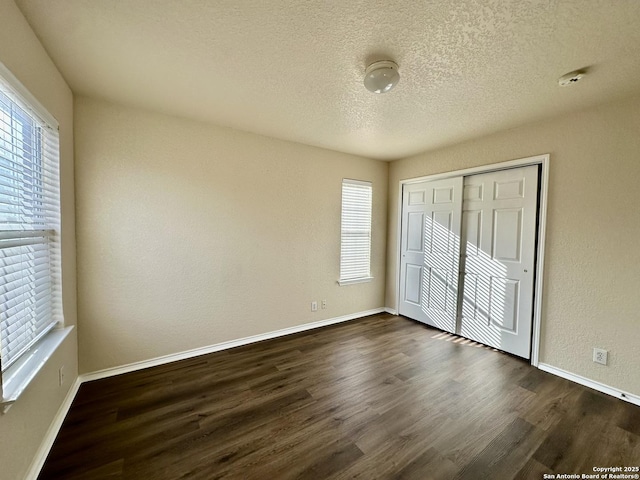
430 252
498 258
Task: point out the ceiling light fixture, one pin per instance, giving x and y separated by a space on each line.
571 78
382 76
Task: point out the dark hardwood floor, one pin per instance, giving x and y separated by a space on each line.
377 398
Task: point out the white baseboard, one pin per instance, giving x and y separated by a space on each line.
601 387
54 428
52 432
390 311
174 357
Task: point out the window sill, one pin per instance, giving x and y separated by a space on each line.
352 281
19 375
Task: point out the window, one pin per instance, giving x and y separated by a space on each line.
30 286
355 232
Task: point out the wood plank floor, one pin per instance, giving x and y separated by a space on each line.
377 398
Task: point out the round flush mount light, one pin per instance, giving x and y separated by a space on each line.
571 78
382 76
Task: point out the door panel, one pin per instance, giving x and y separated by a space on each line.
417 197
504 190
507 234
471 230
431 223
439 240
503 303
413 282
442 195
437 291
415 232
498 255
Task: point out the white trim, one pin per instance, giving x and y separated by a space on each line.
492 167
399 243
54 428
601 387
52 432
174 357
352 181
18 376
27 97
543 161
351 281
56 424
538 288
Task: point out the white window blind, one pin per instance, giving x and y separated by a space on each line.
30 294
355 232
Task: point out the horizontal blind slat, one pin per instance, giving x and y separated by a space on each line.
355 232
29 221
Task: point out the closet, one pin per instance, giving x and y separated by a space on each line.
467 250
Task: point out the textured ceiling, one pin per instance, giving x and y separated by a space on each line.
293 69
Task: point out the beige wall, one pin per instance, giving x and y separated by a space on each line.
191 234
593 229
23 427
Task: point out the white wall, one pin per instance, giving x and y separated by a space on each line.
191 234
592 277
23 427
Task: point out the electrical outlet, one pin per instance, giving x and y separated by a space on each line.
314 306
600 355
324 304
61 376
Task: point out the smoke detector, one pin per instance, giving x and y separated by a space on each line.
571 78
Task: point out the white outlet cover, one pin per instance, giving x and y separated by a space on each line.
600 356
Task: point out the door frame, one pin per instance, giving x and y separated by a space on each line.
543 161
